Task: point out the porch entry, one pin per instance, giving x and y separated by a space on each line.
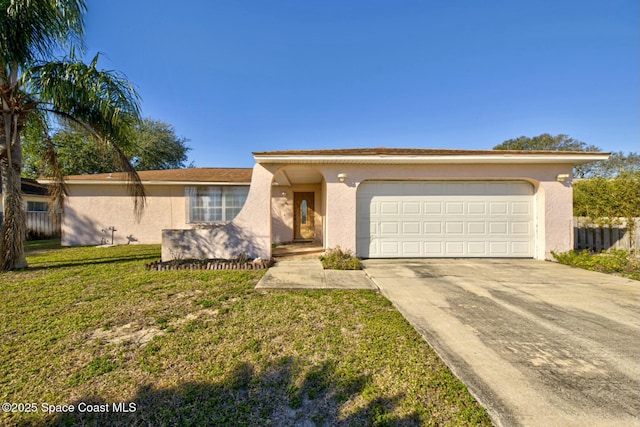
303 216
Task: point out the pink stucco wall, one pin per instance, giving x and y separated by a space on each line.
91 208
248 234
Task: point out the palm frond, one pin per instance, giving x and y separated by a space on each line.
103 102
104 99
33 29
134 183
57 186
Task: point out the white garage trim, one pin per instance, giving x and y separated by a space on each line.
404 219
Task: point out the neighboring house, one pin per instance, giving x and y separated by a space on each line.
378 202
35 197
176 198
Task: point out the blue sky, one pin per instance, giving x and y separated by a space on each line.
240 76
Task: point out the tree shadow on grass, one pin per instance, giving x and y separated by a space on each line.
276 396
50 265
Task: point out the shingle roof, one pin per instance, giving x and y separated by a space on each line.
173 175
383 151
31 187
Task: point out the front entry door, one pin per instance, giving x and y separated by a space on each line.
303 216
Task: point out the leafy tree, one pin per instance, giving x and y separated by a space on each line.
157 147
619 163
546 142
39 91
154 145
616 164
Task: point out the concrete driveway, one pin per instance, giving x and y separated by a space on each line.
537 343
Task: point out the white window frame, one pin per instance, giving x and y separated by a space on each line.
40 203
224 203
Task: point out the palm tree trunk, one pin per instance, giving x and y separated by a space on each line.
13 232
13 225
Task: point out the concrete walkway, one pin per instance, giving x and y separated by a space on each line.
307 273
537 343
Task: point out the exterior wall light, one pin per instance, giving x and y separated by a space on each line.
342 177
562 177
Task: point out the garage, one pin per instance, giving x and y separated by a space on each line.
405 219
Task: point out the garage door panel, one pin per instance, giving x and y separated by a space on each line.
499 249
454 248
520 228
454 208
389 248
521 248
373 210
476 208
521 208
433 228
389 208
476 228
445 219
496 228
498 208
411 228
433 249
477 249
451 227
410 208
433 208
411 249
389 228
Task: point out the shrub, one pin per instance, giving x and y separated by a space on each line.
337 259
614 261
600 198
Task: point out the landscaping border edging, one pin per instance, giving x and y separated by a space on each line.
208 265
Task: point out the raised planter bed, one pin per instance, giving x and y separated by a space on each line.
209 264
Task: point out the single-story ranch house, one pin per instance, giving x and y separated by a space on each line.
377 202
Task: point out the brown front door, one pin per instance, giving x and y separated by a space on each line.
303 216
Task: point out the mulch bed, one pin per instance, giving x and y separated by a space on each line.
209 264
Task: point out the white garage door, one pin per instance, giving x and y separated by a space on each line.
403 219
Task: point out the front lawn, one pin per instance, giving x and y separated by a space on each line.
89 327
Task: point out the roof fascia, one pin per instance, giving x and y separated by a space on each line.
120 182
433 159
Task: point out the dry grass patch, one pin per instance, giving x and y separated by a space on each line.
90 326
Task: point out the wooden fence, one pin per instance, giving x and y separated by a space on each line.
42 225
602 238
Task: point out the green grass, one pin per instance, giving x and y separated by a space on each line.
91 326
614 261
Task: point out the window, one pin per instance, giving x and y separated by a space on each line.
304 212
37 206
215 204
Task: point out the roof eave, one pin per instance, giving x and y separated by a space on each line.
432 159
120 182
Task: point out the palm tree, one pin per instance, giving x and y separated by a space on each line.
40 91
